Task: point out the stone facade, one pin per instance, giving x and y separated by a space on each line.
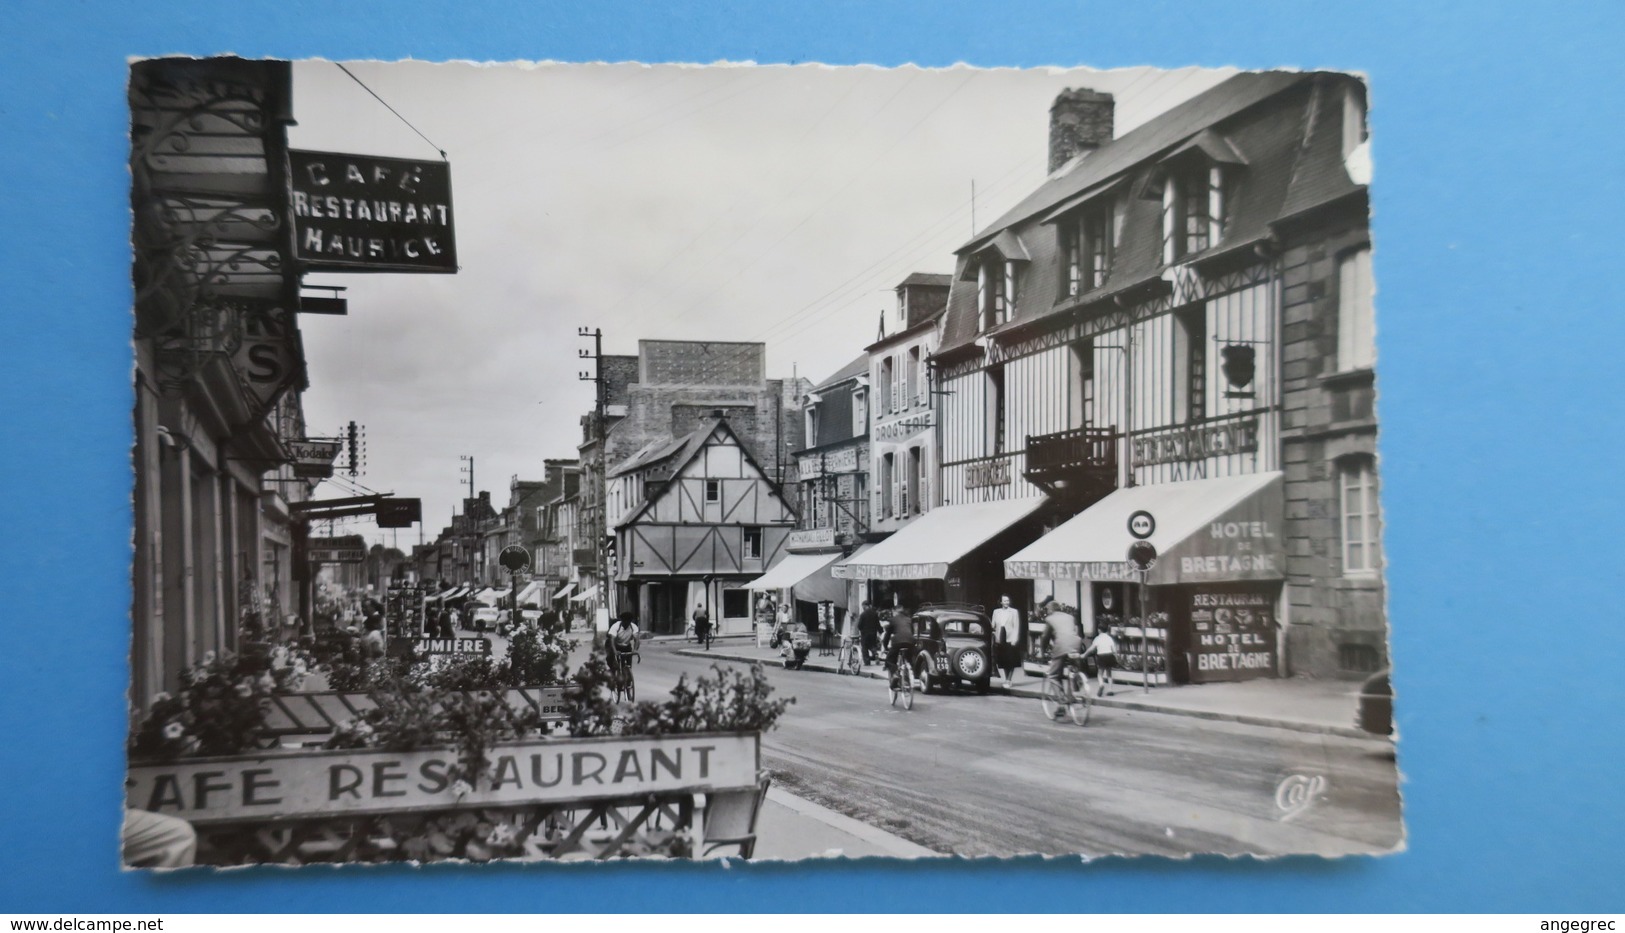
1336 618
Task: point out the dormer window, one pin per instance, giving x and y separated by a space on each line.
996 291
1194 183
1087 242
1193 211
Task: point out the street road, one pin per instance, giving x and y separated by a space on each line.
978 776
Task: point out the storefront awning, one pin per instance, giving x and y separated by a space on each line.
564 590
807 575
792 570
531 595
1207 531
585 594
925 547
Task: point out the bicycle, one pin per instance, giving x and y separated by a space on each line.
1067 690
706 639
900 683
622 680
851 657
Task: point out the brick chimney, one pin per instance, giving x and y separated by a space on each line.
1079 120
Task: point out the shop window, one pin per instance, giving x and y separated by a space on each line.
1359 659
1357 483
1356 334
713 490
735 604
753 544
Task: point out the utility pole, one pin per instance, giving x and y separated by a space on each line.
469 470
601 492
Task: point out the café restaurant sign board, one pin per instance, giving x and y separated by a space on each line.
297 784
360 213
346 549
1232 635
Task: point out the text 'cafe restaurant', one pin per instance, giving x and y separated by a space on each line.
1215 590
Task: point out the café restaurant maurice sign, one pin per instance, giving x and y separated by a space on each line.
359 213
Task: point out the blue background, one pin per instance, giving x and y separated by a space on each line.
1497 226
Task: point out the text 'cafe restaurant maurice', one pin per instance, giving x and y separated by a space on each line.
1215 590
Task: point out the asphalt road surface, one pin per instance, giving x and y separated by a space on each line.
988 776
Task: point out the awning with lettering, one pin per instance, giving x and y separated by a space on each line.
925 547
1207 531
807 574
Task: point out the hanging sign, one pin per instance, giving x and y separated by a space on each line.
359 213
312 459
348 549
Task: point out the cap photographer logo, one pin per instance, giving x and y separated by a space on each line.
1298 792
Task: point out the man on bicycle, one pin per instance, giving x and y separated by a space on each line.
623 638
899 639
1062 637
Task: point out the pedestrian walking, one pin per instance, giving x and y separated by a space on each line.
869 632
1007 639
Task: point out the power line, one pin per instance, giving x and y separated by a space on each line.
397 113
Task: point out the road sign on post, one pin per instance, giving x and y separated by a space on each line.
514 558
1142 525
1143 555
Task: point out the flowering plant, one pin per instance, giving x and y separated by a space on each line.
219 709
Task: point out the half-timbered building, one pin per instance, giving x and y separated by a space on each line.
695 519
1177 322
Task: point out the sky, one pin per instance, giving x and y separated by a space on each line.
780 204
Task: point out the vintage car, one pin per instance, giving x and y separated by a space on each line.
953 647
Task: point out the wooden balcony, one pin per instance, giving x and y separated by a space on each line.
1078 462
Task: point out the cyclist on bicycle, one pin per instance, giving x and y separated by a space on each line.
899 639
1063 638
623 638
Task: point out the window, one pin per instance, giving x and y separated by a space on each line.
1190 364
753 544
812 422
713 490
995 291
1356 343
1193 211
995 410
736 604
885 489
1081 410
813 503
916 478
1357 481
911 392
1354 126
888 401
860 412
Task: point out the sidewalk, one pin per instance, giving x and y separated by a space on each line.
1318 706
792 828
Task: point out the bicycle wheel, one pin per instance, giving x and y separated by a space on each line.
907 682
892 687
1080 702
1053 698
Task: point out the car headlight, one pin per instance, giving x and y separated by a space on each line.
971 663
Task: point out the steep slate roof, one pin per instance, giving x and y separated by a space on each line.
925 278
1126 151
857 367
1281 171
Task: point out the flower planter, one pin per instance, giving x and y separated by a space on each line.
572 798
